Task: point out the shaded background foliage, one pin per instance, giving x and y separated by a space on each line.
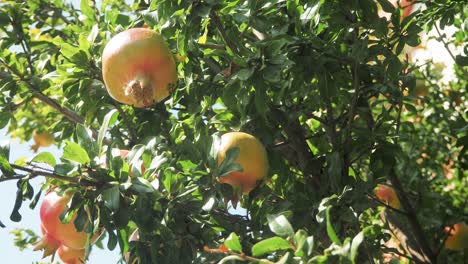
325 85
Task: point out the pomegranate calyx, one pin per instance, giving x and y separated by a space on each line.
141 90
48 244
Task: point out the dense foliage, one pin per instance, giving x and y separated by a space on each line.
324 85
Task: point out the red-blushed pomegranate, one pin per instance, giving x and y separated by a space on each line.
458 237
387 195
51 209
252 158
70 255
138 68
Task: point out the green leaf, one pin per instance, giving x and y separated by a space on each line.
462 61
357 240
81 219
233 243
245 74
109 120
5 166
386 6
86 140
15 215
33 203
111 197
88 11
93 34
45 157
284 259
280 225
141 185
203 38
330 231
4 118
270 245
75 152
300 238
112 240
394 67
228 165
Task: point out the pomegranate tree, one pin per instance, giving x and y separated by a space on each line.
138 68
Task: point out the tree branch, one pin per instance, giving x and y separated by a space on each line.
36 173
352 113
412 218
68 113
217 22
447 47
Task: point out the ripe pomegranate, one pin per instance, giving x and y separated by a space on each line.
458 237
138 68
387 195
51 209
71 256
252 157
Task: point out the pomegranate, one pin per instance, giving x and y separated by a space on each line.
458 237
70 255
138 68
252 157
387 195
51 209
41 140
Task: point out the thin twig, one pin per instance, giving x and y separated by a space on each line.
400 254
375 199
331 123
212 46
447 47
217 22
352 113
36 173
68 113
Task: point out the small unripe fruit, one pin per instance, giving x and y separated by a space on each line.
458 237
138 68
252 157
387 195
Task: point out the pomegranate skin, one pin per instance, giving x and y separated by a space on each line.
138 68
71 256
47 244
